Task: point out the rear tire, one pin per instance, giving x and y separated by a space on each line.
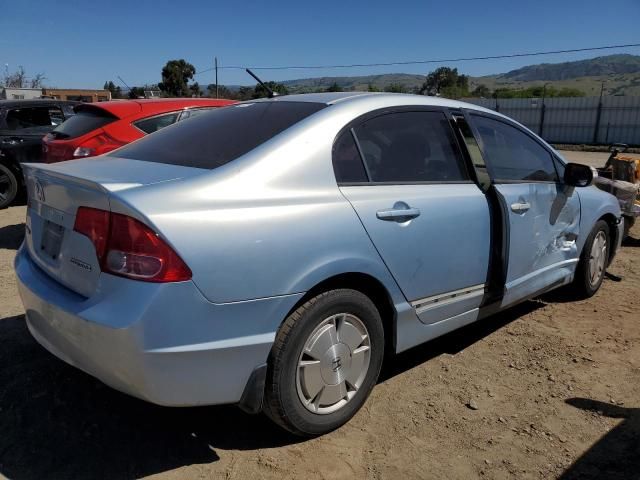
593 261
325 361
9 186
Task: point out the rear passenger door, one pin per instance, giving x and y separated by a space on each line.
541 213
403 174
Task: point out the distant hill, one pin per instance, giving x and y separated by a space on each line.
621 74
593 67
303 85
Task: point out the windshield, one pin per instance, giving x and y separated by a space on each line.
83 122
219 136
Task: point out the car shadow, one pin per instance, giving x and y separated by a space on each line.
58 422
11 236
617 453
631 242
456 341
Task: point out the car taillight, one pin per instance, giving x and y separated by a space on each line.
129 248
93 223
101 143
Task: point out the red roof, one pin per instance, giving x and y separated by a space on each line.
127 108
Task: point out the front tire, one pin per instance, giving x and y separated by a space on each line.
324 362
593 261
8 186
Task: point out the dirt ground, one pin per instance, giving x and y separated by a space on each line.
548 389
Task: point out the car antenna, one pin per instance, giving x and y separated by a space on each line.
270 93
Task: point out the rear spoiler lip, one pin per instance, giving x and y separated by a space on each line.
33 168
106 186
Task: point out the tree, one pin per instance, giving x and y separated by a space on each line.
245 93
447 82
195 89
136 92
396 88
537 92
372 88
17 79
334 87
223 92
481 91
116 91
37 80
175 76
260 92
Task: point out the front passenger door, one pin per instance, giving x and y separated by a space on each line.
541 213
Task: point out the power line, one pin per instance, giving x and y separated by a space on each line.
422 62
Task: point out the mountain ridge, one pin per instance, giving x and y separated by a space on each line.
620 72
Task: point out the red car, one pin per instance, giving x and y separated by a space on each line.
98 128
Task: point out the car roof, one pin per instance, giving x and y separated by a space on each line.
399 99
35 102
152 106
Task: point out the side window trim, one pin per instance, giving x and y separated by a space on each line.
479 172
470 113
174 112
361 153
353 124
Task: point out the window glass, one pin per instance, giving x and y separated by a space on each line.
193 112
474 152
410 147
32 119
84 121
219 135
347 163
56 116
153 124
512 154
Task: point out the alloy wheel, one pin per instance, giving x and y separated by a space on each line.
597 258
333 363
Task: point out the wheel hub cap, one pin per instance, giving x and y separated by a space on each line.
597 258
333 363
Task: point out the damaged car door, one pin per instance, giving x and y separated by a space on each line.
541 214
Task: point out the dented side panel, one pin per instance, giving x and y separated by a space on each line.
544 226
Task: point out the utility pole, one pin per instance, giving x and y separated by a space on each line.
216 65
596 128
542 109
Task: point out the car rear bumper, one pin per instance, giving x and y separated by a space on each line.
164 343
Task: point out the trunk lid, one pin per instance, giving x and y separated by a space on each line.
57 191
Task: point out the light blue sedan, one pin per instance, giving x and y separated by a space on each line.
269 253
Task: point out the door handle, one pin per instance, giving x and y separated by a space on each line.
401 212
520 207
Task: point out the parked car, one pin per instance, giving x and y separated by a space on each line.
269 253
101 127
22 125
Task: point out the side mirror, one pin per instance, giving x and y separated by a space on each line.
577 175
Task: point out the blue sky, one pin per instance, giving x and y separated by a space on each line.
81 44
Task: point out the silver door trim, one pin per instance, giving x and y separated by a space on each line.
427 303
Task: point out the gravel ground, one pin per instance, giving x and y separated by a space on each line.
547 389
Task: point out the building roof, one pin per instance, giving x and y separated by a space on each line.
34 102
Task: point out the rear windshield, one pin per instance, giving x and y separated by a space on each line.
220 135
83 122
